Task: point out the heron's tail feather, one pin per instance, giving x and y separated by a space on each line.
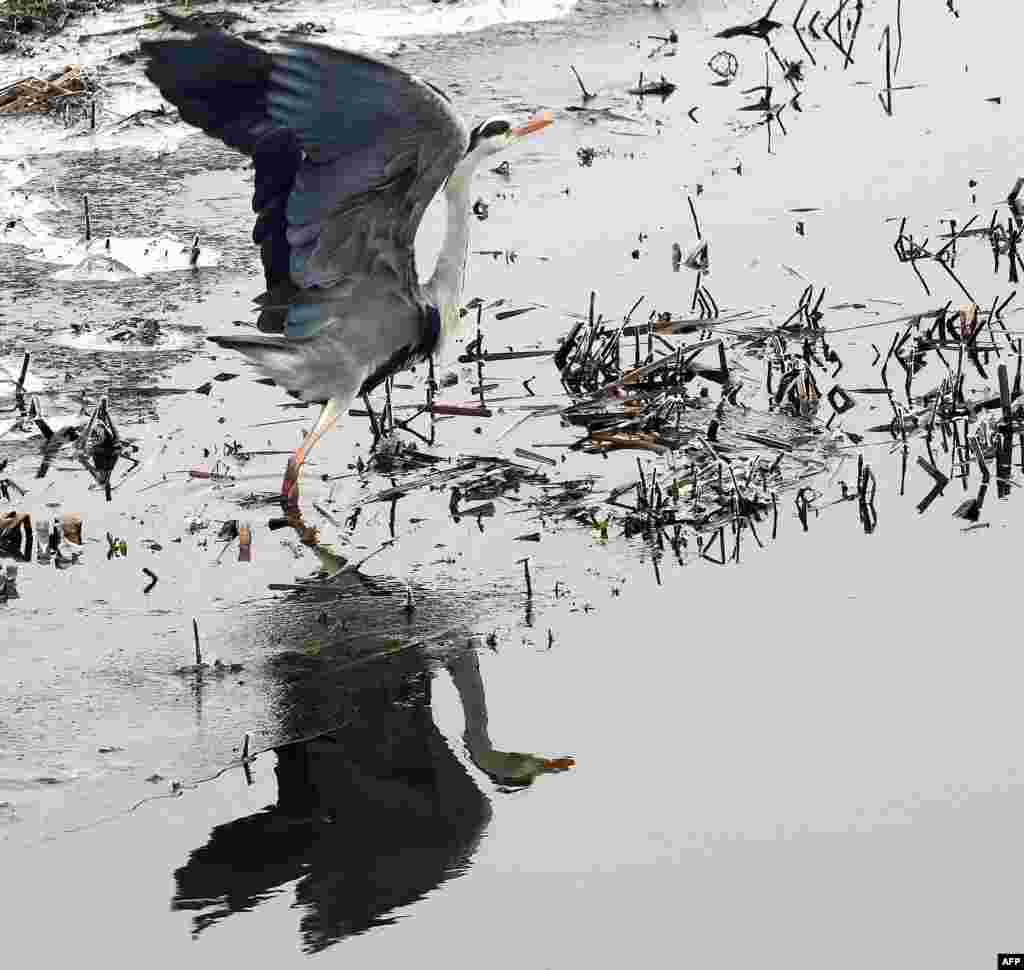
311 369
255 347
277 357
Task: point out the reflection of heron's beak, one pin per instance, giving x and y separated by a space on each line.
557 764
534 124
516 768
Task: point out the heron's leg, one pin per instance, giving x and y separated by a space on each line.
374 424
388 417
326 421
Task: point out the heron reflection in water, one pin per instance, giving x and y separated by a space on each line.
371 816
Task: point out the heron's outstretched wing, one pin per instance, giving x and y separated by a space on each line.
348 152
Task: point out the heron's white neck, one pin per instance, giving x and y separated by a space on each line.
445 285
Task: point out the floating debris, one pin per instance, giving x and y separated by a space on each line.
245 543
533 456
660 88
725 65
16 534
32 95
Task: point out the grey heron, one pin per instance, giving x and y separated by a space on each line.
348 152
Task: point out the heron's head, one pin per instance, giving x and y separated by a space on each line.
498 133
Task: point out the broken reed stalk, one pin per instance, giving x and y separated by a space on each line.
20 386
533 456
195 634
887 104
431 390
593 329
457 410
505 355
899 35
1004 449
479 358
526 573
386 418
587 96
696 291
848 53
696 222
88 224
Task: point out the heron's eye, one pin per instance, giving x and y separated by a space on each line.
493 128
487 130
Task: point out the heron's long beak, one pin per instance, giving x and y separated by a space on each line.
534 124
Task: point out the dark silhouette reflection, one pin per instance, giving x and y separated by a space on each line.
371 815
369 818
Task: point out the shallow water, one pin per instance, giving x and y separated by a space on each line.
815 750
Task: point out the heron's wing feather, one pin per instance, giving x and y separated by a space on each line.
219 84
348 151
378 143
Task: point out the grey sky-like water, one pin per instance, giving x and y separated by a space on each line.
811 755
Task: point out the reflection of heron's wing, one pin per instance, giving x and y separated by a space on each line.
370 818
